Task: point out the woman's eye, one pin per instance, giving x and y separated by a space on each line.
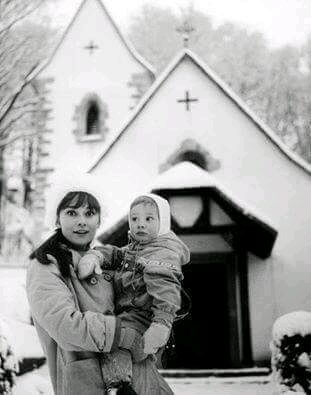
149 219
71 213
90 213
133 219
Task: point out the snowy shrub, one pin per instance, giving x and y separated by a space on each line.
8 363
291 352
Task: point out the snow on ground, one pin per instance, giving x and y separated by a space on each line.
33 383
37 383
214 386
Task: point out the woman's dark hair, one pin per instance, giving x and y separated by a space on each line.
57 245
77 199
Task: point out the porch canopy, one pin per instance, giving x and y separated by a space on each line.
258 233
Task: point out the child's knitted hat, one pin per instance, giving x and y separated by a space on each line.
163 210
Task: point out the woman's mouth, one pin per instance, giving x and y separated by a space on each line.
81 232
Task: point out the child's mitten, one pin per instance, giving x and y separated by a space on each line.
156 336
132 340
90 263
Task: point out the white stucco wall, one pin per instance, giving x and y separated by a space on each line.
77 73
252 167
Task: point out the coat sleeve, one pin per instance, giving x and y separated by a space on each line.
163 284
53 307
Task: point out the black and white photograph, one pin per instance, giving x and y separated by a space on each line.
155 187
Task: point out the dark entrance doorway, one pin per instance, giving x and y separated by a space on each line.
208 337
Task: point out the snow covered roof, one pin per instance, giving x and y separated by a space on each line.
188 175
186 53
184 175
127 44
259 235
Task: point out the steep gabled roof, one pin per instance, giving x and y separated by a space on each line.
126 43
186 53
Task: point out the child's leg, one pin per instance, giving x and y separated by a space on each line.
148 380
117 368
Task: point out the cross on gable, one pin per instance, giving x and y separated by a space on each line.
187 100
91 47
185 29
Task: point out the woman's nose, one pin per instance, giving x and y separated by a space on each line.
141 224
81 220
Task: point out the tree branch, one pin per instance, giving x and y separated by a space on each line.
16 11
17 93
9 140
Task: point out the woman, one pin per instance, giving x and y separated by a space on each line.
73 318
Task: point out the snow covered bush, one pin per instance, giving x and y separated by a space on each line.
8 362
291 352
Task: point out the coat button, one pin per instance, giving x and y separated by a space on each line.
126 265
93 280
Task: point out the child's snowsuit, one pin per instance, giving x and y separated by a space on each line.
147 283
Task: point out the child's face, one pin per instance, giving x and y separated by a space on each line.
144 221
78 225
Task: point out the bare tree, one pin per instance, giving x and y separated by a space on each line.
17 65
20 55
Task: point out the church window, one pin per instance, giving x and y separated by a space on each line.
195 157
191 151
92 119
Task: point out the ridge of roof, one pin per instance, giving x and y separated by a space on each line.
126 42
186 53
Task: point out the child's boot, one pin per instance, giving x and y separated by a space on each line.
126 389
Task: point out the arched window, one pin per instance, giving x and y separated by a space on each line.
192 151
92 119
195 157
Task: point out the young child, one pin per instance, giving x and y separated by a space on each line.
147 281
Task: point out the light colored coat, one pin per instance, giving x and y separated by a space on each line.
68 315
69 321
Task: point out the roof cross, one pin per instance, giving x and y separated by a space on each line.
187 100
91 47
185 29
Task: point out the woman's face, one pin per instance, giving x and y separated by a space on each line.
78 225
